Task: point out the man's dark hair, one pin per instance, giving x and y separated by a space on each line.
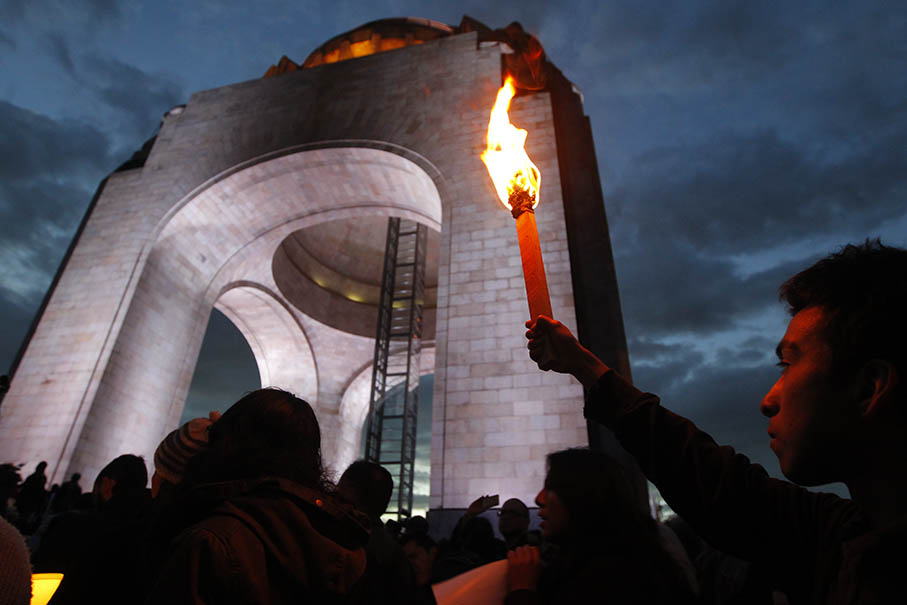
372 484
862 290
128 471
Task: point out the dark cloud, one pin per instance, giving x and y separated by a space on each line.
7 41
56 13
48 170
721 397
141 98
32 144
59 50
11 11
737 193
673 289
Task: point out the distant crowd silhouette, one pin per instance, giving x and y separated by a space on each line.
240 509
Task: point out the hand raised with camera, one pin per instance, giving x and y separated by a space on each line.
553 347
480 505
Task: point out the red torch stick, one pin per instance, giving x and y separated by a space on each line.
531 254
517 181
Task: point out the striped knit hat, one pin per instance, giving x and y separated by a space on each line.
179 446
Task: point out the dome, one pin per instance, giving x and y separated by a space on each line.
377 36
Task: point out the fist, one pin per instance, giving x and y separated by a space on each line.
523 567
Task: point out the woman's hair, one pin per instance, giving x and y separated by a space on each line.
599 501
604 519
267 433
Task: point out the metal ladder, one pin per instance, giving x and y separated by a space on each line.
394 403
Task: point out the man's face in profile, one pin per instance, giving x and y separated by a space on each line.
812 411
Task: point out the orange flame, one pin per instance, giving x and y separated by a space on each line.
507 162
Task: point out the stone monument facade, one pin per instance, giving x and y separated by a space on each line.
261 199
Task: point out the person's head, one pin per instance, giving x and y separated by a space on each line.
841 361
75 477
267 433
173 453
477 536
513 518
417 524
587 498
41 466
421 551
123 476
368 485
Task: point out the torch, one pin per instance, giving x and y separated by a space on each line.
516 180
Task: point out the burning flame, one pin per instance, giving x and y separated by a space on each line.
507 162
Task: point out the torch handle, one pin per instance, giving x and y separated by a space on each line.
533 267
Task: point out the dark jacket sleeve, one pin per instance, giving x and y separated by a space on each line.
729 501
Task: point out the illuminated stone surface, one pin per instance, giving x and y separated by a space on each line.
205 223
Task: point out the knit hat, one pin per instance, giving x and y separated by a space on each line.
15 568
174 452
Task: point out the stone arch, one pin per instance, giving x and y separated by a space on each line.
226 234
278 342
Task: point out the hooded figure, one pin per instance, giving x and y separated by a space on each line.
260 523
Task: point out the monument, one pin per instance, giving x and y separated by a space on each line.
269 201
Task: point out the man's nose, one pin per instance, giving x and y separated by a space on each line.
769 405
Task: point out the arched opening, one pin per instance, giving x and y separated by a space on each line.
215 250
225 370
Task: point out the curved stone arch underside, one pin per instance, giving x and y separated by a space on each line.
216 250
278 342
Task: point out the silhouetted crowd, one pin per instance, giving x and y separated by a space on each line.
240 508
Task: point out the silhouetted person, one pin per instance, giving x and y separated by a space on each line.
388 575
9 484
608 548
513 523
31 499
838 412
260 525
417 524
99 550
474 534
67 495
477 536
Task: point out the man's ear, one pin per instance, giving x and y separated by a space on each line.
878 382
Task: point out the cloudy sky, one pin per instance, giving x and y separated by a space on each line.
737 143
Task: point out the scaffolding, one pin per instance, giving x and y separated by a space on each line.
394 403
